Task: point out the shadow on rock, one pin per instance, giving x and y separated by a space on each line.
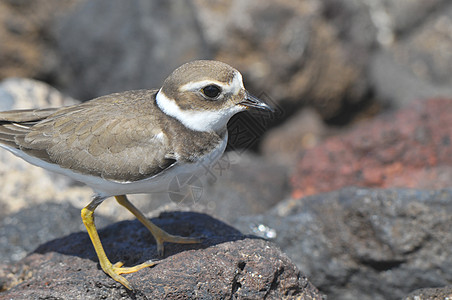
226 265
129 241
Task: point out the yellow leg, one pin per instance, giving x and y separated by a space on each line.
160 235
114 270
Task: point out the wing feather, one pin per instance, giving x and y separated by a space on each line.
26 115
114 136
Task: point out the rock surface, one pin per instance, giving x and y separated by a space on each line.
24 93
302 131
404 46
25 230
25 36
226 265
432 293
409 148
417 66
22 184
134 45
363 243
284 45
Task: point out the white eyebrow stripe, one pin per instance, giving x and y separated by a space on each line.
234 87
194 86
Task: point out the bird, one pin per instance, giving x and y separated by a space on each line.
134 142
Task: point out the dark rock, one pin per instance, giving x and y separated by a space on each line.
107 46
431 294
285 49
406 15
404 46
24 231
367 24
243 184
364 243
353 22
410 148
226 265
418 65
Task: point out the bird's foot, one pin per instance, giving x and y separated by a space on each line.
162 236
117 269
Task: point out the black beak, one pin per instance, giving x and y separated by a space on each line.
251 101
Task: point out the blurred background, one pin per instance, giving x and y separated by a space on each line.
333 61
344 58
362 91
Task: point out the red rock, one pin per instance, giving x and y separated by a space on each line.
408 148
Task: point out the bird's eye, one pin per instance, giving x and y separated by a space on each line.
211 91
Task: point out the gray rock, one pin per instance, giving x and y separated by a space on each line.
367 24
285 49
243 184
418 66
24 93
226 265
397 85
108 46
404 46
24 231
432 293
302 131
22 184
405 15
352 20
362 243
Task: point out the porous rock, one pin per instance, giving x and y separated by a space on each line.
431 294
361 243
226 264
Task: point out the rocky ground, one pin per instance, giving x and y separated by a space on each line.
345 192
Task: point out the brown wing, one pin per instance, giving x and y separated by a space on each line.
114 136
18 122
26 115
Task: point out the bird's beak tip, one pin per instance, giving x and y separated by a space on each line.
254 102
